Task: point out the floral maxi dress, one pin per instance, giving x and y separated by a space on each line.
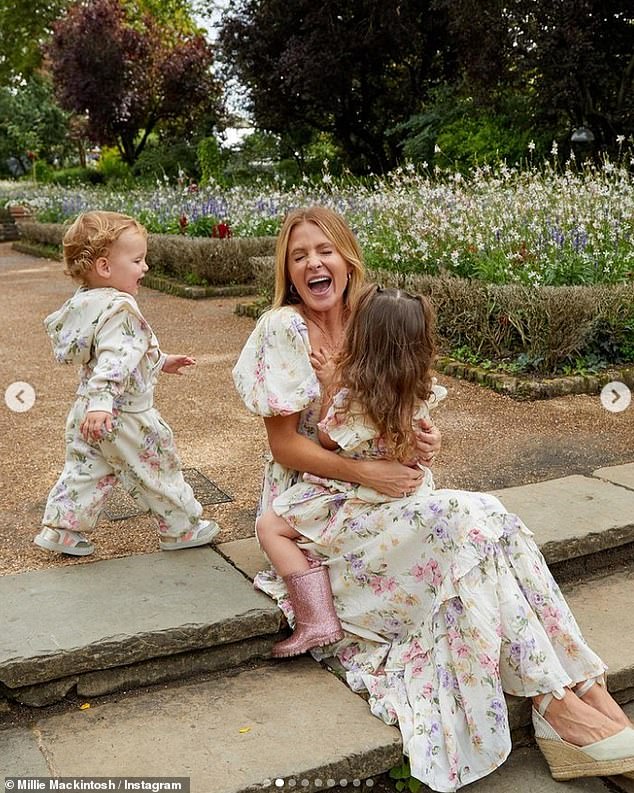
445 599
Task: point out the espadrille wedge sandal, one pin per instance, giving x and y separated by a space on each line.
609 757
582 689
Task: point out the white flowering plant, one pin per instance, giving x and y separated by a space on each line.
549 224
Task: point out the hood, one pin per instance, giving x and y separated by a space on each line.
72 328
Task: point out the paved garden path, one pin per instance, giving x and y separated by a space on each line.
490 441
158 664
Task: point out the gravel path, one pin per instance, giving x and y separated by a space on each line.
489 441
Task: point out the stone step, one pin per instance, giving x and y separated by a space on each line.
127 622
602 607
124 623
583 524
286 725
233 734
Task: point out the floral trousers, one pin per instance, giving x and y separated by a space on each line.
139 453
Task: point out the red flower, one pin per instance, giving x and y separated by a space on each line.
183 222
221 230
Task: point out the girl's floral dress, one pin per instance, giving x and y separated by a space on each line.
445 599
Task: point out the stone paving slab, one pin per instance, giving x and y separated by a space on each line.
604 609
526 771
246 555
83 618
571 517
618 474
20 754
291 720
574 516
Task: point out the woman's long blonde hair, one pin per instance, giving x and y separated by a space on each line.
385 363
338 232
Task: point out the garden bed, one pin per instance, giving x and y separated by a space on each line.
518 338
184 266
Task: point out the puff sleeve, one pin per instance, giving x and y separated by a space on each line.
346 424
273 374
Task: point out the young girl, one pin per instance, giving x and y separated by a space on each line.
376 393
113 431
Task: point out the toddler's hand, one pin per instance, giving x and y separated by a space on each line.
324 366
428 441
174 363
94 423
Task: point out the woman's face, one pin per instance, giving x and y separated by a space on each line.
317 270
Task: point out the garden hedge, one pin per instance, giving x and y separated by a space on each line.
541 328
196 260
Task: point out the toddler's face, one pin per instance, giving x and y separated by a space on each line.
127 262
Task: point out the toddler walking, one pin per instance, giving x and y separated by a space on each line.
113 432
378 390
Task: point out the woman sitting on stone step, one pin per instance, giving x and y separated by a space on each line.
444 599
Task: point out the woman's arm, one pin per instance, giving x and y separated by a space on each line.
297 452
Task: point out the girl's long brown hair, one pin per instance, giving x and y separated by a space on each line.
385 362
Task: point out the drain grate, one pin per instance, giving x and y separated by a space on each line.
121 506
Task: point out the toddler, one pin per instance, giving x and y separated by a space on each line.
113 432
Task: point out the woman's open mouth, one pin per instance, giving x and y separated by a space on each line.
320 285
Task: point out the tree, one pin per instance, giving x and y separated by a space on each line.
573 60
31 123
24 27
130 75
354 68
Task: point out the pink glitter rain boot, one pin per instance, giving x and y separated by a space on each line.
316 621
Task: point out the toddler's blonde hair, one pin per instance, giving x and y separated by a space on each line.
90 237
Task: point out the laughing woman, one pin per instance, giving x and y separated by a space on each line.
442 600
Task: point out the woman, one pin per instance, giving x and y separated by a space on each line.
446 601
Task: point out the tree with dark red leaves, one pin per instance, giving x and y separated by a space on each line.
130 75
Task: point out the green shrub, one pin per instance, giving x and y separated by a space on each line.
194 260
167 160
42 233
71 177
112 168
42 171
215 262
263 268
211 161
541 330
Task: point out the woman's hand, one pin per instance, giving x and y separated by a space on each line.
428 442
174 363
389 477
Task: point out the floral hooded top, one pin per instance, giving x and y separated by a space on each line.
104 332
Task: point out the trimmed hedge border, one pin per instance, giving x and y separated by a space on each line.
224 264
173 287
524 388
38 249
519 388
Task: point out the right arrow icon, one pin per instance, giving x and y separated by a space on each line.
616 396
